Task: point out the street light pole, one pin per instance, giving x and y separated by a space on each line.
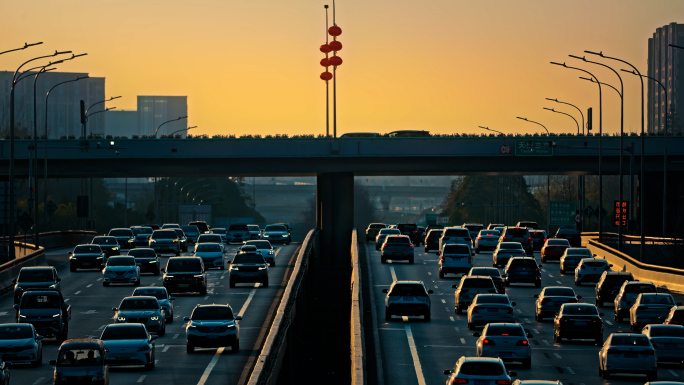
560 112
26 45
600 222
532 121
489 129
548 183
168 121
182 129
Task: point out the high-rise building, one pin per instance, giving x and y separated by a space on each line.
63 119
153 111
665 64
122 123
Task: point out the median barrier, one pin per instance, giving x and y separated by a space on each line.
278 342
358 348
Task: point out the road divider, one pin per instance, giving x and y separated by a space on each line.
358 348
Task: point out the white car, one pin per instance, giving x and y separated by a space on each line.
276 234
650 308
121 269
211 254
382 234
220 231
20 343
486 240
129 344
211 238
668 341
266 249
455 235
505 251
626 296
507 341
590 270
455 259
628 354
489 308
482 370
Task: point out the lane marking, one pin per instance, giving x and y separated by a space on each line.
452 319
569 369
166 348
608 322
175 336
89 285
546 342
457 329
142 378
414 352
429 273
558 356
443 300
463 341
2 313
550 275
559 282
77 293
672 372
394 275
38 381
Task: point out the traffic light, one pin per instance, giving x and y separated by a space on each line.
83 112
589 118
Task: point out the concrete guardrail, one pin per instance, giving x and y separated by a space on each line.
277 343
358 348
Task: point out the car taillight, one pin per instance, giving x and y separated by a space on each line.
488 342
561 319
581 267
475 310
415 231
384 244
504 238
411 244
545 300
479 238
441 258
503 382
545 240
510 311
523 253
522 343
672 322
529 239
459 381
594 320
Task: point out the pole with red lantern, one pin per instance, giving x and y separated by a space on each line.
335 61
325 63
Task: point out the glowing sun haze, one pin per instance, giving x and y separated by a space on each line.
447 66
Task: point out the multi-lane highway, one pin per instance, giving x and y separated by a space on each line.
413 351
92 309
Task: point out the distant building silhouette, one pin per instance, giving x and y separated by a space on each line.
665 64
155 110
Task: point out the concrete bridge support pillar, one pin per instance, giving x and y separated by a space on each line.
335 217
653 207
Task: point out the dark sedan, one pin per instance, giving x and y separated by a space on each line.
578 320
109 245
571 235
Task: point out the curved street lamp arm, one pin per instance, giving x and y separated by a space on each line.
183 129
489 129
14 77
168 121
561 112
97 112
532 121
100 102
604 84
26 45
569 104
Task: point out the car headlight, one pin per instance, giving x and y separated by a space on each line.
56 315
143 348
263 267
234 268
121 318
100 257
154 318
231 326
175 240
192 327
266 235
131 240
115 248
52 287
22 317
153 241
271 252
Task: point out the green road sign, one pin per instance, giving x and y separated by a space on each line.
431 219
533 147
562 213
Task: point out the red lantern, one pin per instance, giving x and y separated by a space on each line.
335 31
335 45
326 76
325 62
325 48
335 61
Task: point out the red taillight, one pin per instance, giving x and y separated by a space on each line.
522 343
459 381
475 310
510 311
488 342
529 239
582 267
545 300
504 238
544 239
479 238
415 231
384 244
411 244
503 382
441 258
672 322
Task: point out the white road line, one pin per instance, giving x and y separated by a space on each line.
559 282
457 329
672 372
550 275
2 313
99 279
89 285
443 300
394 275
447 309
436 287
219 351
175 336
558 356
166 348
608 322
206 297
77 293
463 341
142 378
429 273
546 342
414 352
153 283
38 381
452 319
569 369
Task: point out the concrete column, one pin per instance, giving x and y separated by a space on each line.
335 217
653 198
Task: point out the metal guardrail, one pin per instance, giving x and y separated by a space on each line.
358 347
270 359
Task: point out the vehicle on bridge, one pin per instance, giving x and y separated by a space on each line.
520 235
432 239
264 247
192 232
626 296
142 235
201 225
108 244
522 270
170 226
411 231
628 354
676 316
571 234
491 272
455 259
538 239
277 234
668 341
373 229
409 134
609 284
80 359
185 275
144 310
550 300
554 248
248 266
590 270
46 311
121 269
490 308
469 287
35 277
211 254
485 369
382 234
20 343
129 344
360 135
455 235
397 247
124 237
507 341
578 320
220 231
407 298
473 229
147 259
212 326
650 308
505 251
254 231
164 242
182 239
572 257
162 295
486 240
529 225
237 232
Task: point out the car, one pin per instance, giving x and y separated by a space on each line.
211 254
608 285
201 226
397 247
571 234
237 232
493 226
486 370
650 308
212 326
490 308
210 238
20 343
629 354
109 245
522 270
626 296
473 229
162 295
147 259
124 237
492 272
667 340
142 235
590 270
185 275
505 251
129 344
431 240
454 235
182 239
455 259
247 249
411 230
35 277
266 250
192 232
500 229
81 361
248 267
520 235
675 317
152 226
407 298
468 288
373 229
170 226
87 256
47 311
380 239
506 341
121 269
536 382
486 240
554 249
528 224
222 232
550 300
433 227
276 234
578 321
165 242
145 310
538 239
571 258
254 231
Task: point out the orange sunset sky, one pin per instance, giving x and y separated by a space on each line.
447 66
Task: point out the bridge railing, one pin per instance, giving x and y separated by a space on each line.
358 348
274 351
